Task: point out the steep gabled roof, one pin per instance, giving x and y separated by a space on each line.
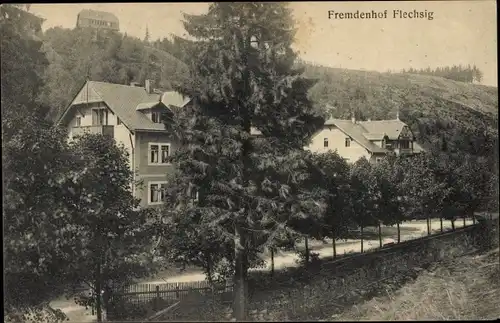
174 98
124 101
355 131
392 128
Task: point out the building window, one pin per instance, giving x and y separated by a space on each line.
325 142
159 153
78 121
99 117
194 195
165 153
378 159
404 144
348 142
118 121
156 192
156 117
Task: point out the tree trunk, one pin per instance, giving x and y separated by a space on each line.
98 292
453 224
428 226
380 234
209 271
399 232
361 238
464 220
307 250
441 223
240 284
272 261
333 244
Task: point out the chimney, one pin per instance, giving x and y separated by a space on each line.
147 85
353 118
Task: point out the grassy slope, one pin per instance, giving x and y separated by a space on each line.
466 288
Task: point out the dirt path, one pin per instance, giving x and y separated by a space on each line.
410 230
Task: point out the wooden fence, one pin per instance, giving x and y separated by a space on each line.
140 300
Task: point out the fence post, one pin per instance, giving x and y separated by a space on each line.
272 261
307 251
361 237
441 223
157 298
464 220
380 233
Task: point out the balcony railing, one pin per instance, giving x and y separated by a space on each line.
99 129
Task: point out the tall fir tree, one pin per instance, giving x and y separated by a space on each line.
146 37
242 137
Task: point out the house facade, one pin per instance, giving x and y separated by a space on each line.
132 116
354 139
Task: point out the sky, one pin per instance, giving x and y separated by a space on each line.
461 32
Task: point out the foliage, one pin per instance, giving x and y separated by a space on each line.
468 74
110 237
40 314
389 203
22 64
364 194
68 211
35 163
334 179
423 192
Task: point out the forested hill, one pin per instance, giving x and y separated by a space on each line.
442 112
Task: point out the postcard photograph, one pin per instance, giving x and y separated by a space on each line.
250 161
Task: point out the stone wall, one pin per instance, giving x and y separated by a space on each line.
343 282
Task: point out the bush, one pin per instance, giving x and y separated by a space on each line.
42 314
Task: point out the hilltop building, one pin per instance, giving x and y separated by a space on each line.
97 19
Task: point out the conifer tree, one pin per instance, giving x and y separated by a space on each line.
242 137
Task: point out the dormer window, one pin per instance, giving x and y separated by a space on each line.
404 144
156 116
325 142
99 117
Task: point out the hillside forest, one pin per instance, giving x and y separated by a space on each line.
467 74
